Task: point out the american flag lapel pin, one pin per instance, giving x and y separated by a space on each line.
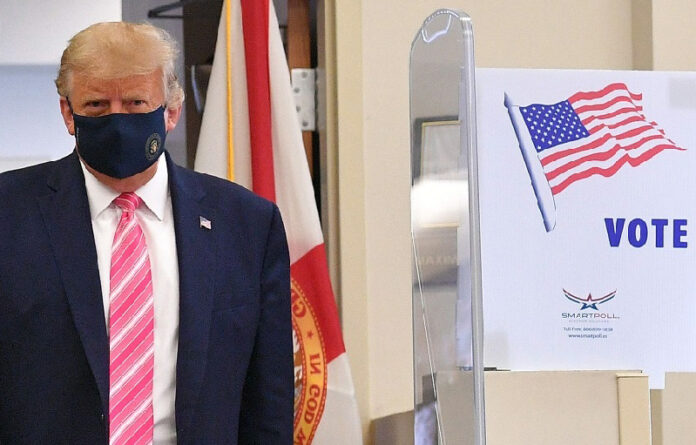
205 223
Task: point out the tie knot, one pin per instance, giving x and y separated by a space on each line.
128 202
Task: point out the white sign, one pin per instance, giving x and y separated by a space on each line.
588 219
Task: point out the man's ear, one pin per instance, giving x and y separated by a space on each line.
66 112
171 117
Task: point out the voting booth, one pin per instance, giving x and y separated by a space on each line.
552 280
447 312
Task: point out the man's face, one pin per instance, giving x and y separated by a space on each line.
91 96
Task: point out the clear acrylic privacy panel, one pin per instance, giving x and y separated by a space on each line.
447 365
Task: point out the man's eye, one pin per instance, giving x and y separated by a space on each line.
138 102
93 104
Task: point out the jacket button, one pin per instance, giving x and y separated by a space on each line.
102 417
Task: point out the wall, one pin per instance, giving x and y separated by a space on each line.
674 34
370 120
33 34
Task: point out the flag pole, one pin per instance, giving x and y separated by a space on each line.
542 189
228 84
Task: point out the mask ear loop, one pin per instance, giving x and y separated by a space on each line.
67 99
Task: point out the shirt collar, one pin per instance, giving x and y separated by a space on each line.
154 193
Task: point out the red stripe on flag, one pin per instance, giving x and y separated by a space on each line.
589 146
601 156
312 275
613 114
604 91
255 25
603 105
594 143
610 171
634 132
630 120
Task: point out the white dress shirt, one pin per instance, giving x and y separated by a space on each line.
156 219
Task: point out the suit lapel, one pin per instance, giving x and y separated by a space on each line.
195 247
65 210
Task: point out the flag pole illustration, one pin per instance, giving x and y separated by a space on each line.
590 133
250 134
542 190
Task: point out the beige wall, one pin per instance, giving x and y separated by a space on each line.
370 121
674 34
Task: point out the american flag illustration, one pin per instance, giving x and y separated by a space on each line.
592 133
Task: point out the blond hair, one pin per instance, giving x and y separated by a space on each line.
112 50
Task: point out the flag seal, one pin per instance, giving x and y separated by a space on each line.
310 366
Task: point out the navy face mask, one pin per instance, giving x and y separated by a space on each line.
120 145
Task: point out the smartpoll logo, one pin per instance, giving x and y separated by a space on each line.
589 302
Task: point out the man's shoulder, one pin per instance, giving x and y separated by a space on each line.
222 192
27 181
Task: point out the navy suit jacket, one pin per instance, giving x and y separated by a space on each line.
234 371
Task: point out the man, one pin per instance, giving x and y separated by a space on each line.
140 302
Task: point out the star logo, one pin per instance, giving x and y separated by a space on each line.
590 302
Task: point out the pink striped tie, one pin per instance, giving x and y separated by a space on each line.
131 328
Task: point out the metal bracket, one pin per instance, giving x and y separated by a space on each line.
304 90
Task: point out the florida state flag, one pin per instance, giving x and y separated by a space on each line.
250 135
